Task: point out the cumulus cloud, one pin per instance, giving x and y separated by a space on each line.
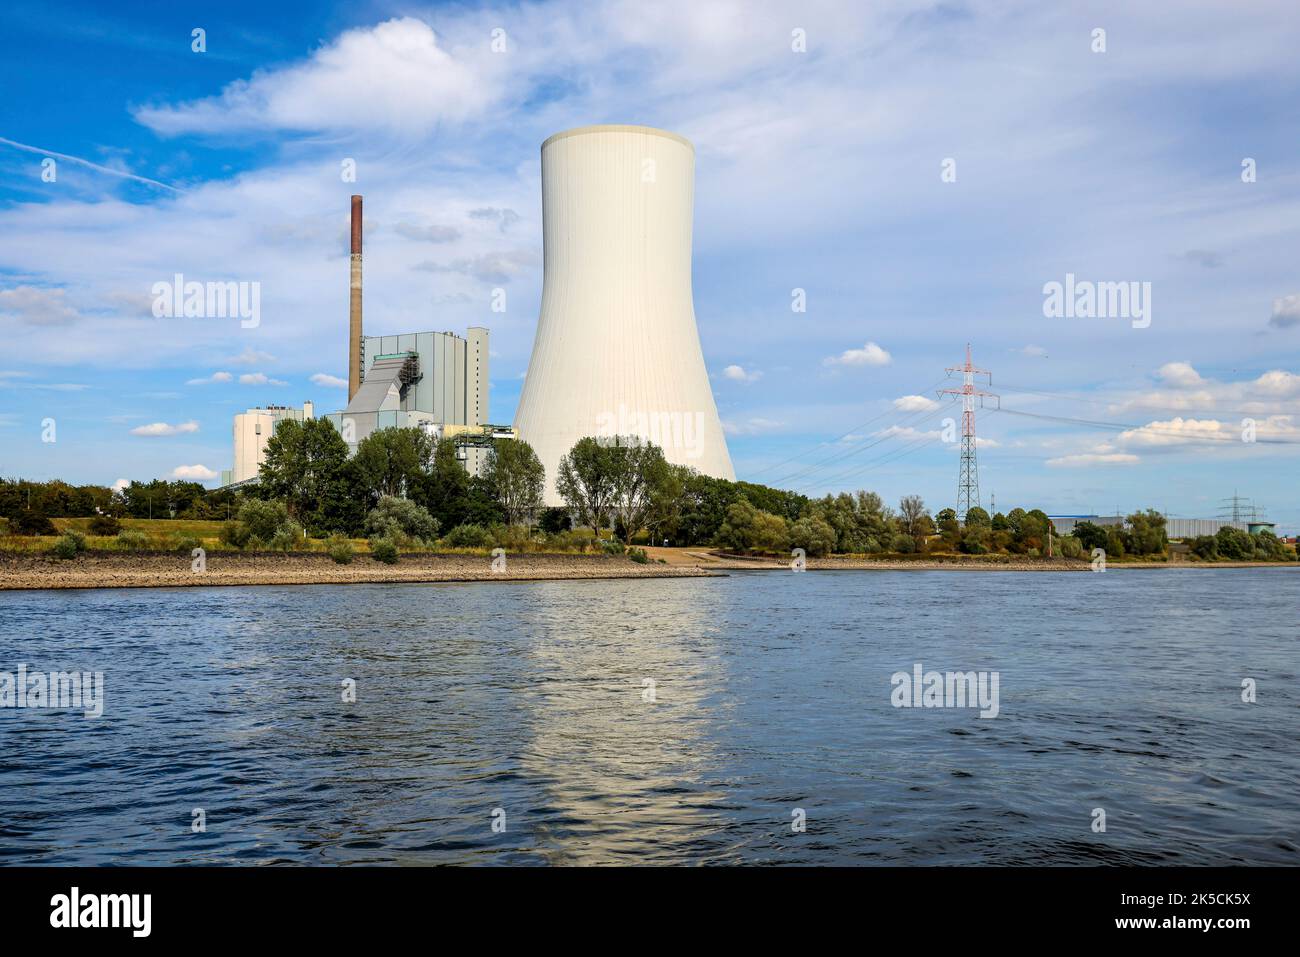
251 357
869 355
1286 312
215 377
158 429
329 381
394 77
1180 374
504 218
195 473
1093 458
259 378
1178 431
37 306
738 374
915 403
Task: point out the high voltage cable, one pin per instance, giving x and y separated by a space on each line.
874 418
908 420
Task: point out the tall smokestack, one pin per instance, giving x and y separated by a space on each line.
354 306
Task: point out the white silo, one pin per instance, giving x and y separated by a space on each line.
617 352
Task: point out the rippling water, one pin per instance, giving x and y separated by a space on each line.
1120 691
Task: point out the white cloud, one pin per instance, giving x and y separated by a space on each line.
1180 375
1093 458
35 306
1286 312
869 355
215 377
259 378
915 403
738 374
120 484
394 77
251 357
1278 383
195 473
1037 352
329 381
157 429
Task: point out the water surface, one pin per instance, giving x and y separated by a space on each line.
1119 691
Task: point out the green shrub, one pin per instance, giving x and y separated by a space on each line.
383 550
905 544
68 545
28 522
234 534
263 519
340 549
469 536
105 526
513 538
180 542
132 540
611 546
254 544
814 535
638 555
401 520
286 538
1071 547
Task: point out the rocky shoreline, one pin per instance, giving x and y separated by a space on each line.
106 569
25 570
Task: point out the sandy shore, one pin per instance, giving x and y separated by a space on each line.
172 569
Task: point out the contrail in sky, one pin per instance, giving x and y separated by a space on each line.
94 166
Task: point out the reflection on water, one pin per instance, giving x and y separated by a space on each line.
770 694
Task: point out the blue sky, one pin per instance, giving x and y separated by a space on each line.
817 170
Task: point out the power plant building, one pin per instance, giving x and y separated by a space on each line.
252 430
417 379
617 352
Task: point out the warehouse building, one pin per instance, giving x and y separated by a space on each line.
1176 528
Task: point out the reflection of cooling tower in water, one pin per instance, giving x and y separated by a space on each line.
617 352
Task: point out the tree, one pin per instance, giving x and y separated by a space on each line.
445 488
977 516
640 469
517 478
949 527
585 480
305 467
664 516
1090 536
1146 533
914 519
391 461
814 535
750 529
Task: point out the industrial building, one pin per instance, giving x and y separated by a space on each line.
417 379
617 352
1176 528
435 381
252 430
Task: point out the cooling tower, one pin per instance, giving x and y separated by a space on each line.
617 352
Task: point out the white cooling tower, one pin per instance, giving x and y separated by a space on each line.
617 352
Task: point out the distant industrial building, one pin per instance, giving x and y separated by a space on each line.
1175 528
253 429
434 381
